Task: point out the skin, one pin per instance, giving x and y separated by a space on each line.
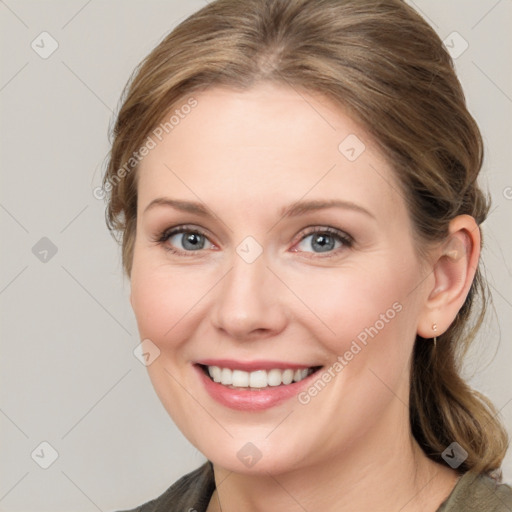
245 156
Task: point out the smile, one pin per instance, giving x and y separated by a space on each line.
253 385
257 379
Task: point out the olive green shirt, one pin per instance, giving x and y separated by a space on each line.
472 493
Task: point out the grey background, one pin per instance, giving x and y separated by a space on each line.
68 373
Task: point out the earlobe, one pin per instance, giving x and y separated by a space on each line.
453 270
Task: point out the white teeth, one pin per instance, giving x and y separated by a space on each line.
258 378
215 373
274 377
226 376
288 376
240 379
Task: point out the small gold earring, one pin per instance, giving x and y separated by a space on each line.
434 328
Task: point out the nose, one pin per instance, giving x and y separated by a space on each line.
249 304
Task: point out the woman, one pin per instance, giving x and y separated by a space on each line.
294 183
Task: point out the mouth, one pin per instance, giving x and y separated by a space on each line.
256 380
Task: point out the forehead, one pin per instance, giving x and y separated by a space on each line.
269 141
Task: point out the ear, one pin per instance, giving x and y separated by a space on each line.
454 267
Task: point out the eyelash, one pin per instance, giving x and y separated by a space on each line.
346 240
168 233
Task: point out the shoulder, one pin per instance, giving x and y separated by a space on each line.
191 492
476 492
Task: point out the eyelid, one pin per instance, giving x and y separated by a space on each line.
346 239
182 228
163 237
342 235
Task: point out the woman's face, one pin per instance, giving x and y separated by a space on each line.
269 238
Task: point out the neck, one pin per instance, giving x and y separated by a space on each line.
370 475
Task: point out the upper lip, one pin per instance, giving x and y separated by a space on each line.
249 366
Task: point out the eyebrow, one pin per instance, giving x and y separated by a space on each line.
294 210
185 206
302 207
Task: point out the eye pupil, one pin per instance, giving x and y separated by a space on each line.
323 243
193 241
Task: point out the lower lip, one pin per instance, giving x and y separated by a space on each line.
251 400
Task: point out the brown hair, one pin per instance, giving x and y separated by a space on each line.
387 66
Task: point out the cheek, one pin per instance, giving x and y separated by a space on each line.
367 326
167 305
355 303
164 300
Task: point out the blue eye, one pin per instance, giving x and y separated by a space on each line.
185 240
322 241
190 241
